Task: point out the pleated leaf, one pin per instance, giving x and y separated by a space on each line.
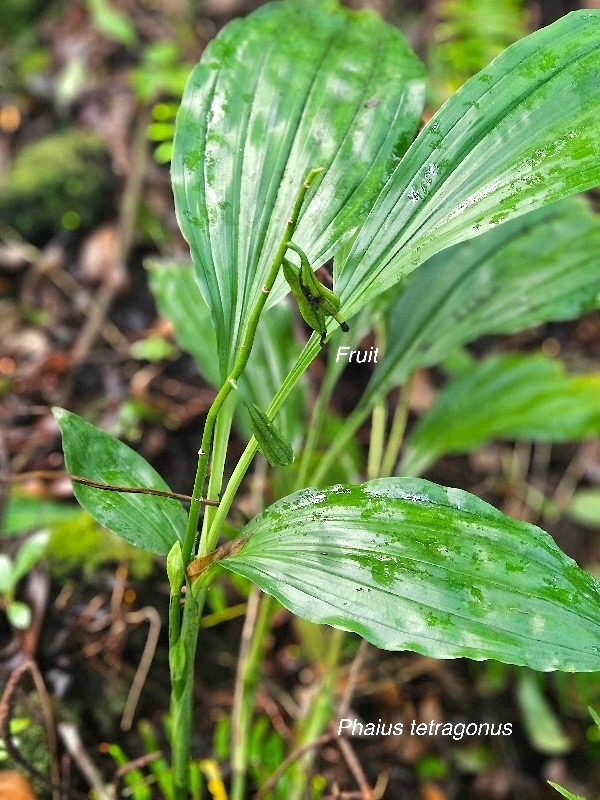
542 266
520 134
180 300
274 352
152 523
292 87
508 397
410 565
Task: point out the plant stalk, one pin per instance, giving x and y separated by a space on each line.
318 717
392 450
248 675
181 661
310 352
332 373
379 416
219 453
183 634
376 442
351 425
230 382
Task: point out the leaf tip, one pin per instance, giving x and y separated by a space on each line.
59 413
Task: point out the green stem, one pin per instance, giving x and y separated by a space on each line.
174 620
230 382
318 716
309 353
392 450
181 660
351 425
219 454
316 425
183 634
379 416
377 439
248 676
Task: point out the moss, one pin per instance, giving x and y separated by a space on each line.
80 543
50 179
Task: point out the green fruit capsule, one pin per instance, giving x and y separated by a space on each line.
316 302
271 443
308 309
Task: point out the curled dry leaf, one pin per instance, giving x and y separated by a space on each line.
100 259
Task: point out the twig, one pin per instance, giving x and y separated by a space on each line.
5 708
269 705
366 793
6 736
44 474
572 475
46 704
352 678
109 331
355 768
4 464
137 763
108 291
382 781
133 617
290 759
72 741
246 640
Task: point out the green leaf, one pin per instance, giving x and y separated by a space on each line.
152 523
29 554
112 23
7 581
508 397
595 716
19 614
543 266
521 133
291 87
277 450
81 546
542 725
584 507
26 513
410 565
274 352
153 348
565 792
179 300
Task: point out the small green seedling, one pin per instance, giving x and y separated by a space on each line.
561 789
11 572
316 302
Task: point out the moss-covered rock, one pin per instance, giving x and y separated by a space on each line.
62 181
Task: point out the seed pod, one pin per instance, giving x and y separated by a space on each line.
316 302
271 443
306 305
